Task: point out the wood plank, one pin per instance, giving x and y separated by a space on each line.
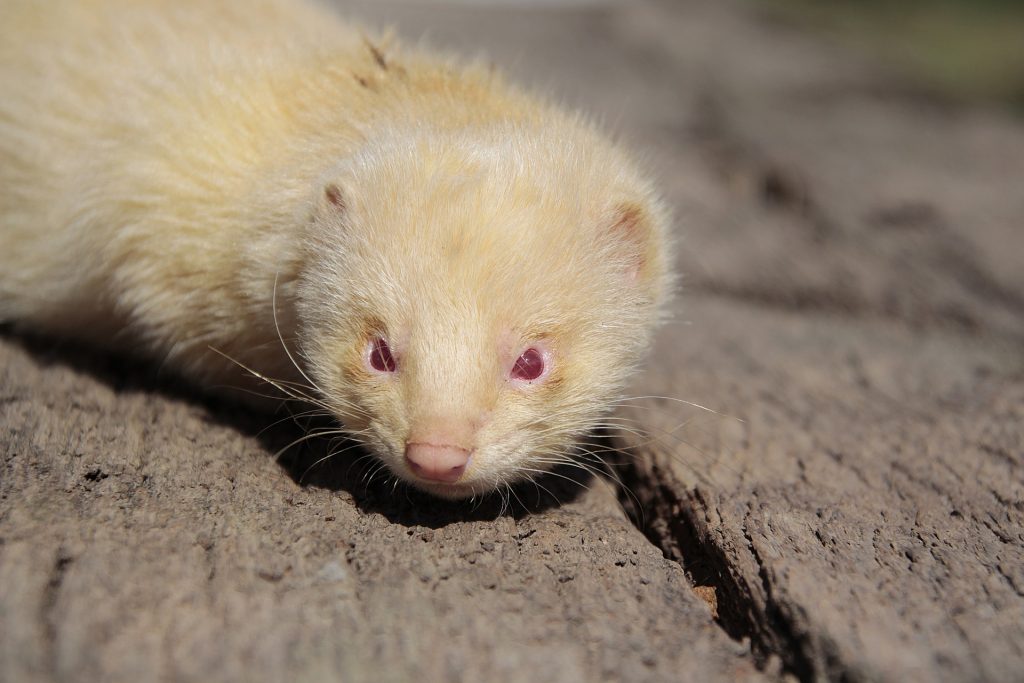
854 304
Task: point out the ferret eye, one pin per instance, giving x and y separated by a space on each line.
380 356
529 366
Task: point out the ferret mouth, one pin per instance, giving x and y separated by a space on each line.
453 491
457 490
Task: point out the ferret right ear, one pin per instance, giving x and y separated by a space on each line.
333 203
333 198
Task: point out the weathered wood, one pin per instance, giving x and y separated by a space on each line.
857 300
865 518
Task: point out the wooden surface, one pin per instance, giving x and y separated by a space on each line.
853 310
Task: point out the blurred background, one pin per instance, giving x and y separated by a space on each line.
963 49
968 49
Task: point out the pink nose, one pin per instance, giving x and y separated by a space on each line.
436 462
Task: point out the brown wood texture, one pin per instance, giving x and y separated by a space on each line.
855 312
852 310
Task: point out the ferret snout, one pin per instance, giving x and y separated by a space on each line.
438 449
443 463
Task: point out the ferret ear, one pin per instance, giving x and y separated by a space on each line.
333 203
333 199
632 229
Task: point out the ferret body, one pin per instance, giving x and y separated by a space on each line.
463 274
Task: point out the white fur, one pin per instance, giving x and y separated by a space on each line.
164 165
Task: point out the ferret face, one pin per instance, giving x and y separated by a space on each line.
469 308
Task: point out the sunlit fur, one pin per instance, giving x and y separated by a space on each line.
169 170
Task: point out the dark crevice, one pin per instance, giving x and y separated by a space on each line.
48 606
672 517
809 659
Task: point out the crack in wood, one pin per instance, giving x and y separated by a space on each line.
48 604
673 523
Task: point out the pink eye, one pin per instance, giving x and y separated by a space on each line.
529 366
381 358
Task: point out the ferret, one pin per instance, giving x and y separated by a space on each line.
460 272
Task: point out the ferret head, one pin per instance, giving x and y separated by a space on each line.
472 303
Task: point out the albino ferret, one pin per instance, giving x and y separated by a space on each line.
462 273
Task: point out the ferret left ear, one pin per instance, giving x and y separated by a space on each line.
631 227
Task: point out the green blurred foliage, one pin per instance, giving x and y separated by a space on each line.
968 49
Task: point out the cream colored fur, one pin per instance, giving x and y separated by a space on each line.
169 169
